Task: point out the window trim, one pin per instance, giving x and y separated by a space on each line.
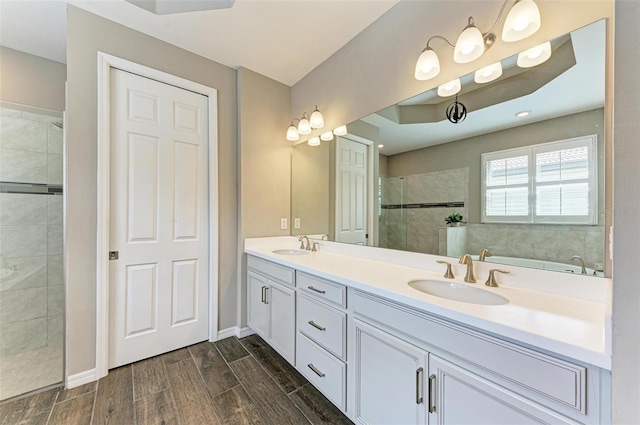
591 141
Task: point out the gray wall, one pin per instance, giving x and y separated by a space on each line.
466 152
32 80
626 216
265 168
86 35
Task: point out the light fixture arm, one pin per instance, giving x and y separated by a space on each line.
441 38
495 24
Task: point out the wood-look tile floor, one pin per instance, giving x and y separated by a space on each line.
228 382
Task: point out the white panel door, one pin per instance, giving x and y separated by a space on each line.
463 398
390 378
351 192
158 293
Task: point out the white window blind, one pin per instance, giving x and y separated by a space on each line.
548 183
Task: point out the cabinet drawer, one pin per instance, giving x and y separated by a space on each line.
322 289
550 377
322 324
274 271
324 371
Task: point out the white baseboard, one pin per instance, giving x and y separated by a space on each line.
235 331
242 332
81 378
226 333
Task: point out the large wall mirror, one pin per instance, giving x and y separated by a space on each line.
525 169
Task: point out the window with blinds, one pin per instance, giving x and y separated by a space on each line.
548 183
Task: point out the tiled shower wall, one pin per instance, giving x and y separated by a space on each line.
415 226
31 284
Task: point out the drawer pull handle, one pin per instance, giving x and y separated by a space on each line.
419 389
319 291
432 393
317 372
317 326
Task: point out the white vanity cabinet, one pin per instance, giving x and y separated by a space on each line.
272 304
419 369
388 378
321 340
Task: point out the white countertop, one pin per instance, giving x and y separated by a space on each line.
570 326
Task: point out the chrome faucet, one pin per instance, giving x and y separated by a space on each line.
484 254
469 277
302 245
577 257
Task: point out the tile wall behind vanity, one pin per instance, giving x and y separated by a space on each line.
31 292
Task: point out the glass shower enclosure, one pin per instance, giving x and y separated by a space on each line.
31 249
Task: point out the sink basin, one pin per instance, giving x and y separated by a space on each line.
458 292
290 252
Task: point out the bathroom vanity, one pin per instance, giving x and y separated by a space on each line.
383 351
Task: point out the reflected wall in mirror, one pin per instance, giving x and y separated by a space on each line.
430 168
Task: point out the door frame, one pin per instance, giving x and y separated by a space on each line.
105 63
370 185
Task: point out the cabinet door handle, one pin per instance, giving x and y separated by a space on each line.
266 300
317 326
419 389
317 372
432 393
319 291
263 296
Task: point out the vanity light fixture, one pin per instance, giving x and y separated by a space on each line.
488 73
450 88
522 21
534 56
328 136
522 114
316 120
304 126
471 43
292 133
340 131
314 141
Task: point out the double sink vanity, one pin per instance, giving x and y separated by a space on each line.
389 340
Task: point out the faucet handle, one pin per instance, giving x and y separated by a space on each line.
448 274
315 247
491 280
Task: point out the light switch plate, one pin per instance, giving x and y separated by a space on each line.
296 223
283 224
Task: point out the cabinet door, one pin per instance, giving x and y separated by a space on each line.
258 314
461 397
390 378
282 305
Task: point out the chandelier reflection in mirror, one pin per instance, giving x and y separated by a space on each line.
456 112
522 21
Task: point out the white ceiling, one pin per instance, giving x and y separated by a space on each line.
282 39
580 88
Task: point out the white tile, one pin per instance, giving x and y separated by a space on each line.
27 272
23 166
9 112
23 304
54 139
55 300
54 239
40 117
30 371
54 169
55 270
21 134
23 241
18 209
55 328
54 209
